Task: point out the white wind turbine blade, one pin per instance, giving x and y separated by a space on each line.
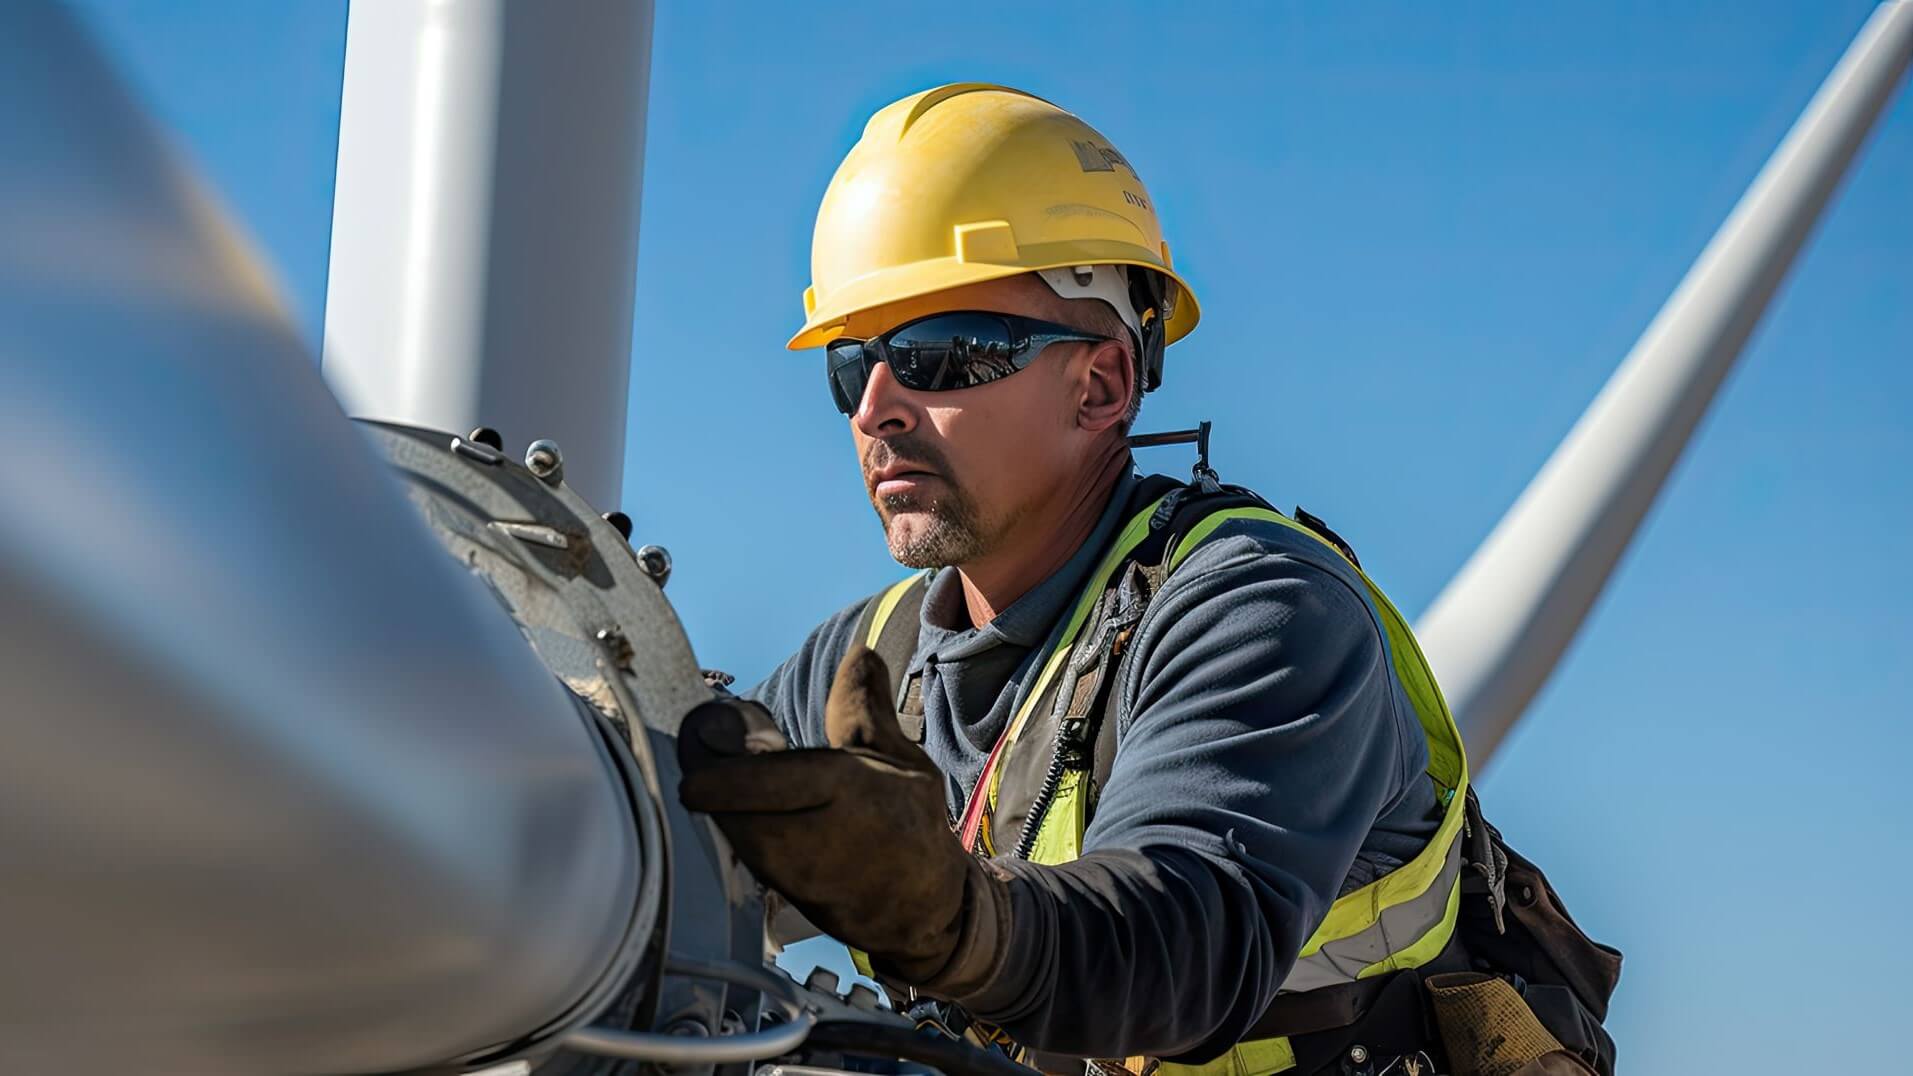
1497 630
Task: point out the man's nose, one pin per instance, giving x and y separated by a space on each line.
886 408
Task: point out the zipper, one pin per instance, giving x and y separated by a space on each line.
1052 780
1072 748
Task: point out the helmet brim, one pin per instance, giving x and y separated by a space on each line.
857 300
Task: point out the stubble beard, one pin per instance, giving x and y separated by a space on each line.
926 529
944 530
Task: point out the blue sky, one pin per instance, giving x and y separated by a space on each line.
1423 236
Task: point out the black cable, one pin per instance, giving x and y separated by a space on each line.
952 1057
772 984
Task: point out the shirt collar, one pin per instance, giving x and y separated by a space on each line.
1029 619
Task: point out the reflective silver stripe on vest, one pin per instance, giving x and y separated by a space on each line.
1399 927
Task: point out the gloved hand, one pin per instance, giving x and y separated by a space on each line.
856 835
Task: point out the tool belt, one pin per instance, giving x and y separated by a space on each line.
1520 989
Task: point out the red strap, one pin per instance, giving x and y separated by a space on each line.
973 813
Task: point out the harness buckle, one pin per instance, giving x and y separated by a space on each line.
1483 854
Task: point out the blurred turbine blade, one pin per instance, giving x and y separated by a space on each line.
1497 630
281 787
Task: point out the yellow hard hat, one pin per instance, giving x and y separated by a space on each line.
972 182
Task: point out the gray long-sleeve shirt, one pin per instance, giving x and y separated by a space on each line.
1268 762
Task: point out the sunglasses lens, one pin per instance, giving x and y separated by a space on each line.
958 350
848 374
952 351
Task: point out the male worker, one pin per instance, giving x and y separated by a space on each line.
1175 760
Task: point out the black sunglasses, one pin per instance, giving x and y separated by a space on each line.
958 349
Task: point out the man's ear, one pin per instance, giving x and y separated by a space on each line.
1109 379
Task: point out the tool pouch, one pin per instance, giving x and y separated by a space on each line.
1512 923
1487 1029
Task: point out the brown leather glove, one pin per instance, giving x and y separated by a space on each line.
856 836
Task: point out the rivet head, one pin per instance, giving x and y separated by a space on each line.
1358 1054
486 436
543 459
656 562
620 523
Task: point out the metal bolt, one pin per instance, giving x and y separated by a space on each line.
617 646
485 435
544 459
535 533
474 450
1358 1054
656 562
620 523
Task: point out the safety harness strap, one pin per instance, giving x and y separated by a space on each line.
889 625
1323 1009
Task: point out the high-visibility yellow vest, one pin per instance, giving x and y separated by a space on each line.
1401 920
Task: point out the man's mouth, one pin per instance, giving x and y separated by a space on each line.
898 480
